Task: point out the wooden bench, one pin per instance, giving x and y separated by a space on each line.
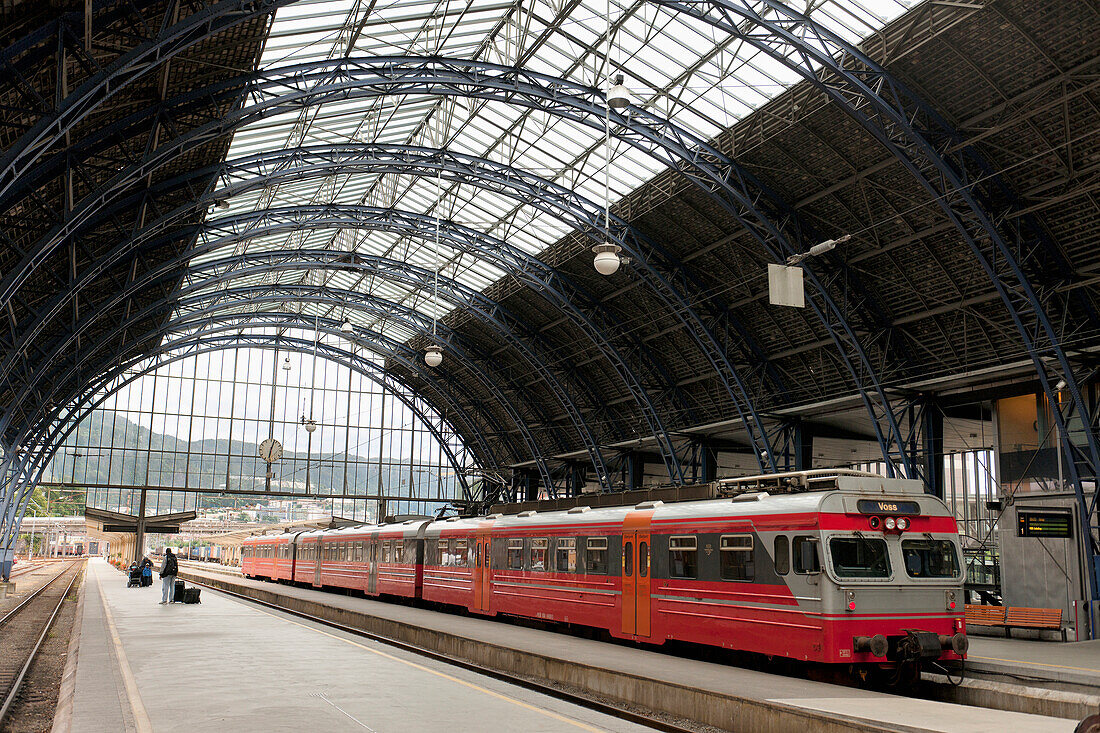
1020 617
985 615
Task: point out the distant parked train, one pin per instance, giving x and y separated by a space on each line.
202 553
833 567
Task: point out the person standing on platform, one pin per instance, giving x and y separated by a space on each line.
168 576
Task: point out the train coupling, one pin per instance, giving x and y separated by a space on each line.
927 645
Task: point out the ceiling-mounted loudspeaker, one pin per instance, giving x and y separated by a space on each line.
286 364
433 356
618 96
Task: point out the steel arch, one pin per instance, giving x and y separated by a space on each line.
108 81
922 141
507 325
110 371
670 282
565 295
210 305
370 370
347 299
741 194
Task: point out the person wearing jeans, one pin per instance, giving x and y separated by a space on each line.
168 576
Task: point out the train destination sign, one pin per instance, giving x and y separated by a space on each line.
887 506
1056 525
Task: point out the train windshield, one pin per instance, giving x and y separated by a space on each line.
930 558
859 557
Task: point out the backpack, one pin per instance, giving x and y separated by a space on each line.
172 568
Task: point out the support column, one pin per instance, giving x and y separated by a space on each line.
139 528
634 470
803 445
708 461
932 447
578 477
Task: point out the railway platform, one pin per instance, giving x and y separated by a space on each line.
1053 663
1072 665
226 665
620 671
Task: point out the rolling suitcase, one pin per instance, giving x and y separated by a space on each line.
177 594
191 595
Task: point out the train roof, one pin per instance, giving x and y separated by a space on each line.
834 490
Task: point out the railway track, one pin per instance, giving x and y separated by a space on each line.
24 632
523 682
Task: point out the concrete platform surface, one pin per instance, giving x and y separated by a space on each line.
225 665
890 710
1073 662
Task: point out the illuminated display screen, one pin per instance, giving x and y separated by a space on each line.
887 506
1044 524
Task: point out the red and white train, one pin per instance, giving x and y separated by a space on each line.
833 567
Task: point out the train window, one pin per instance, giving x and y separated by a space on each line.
477 554
409 557
930 558
595 555
515 555
643 559
806 559
628 559
738 559
387 551
538 553
567 555
358 552
859 557
682 557
782 554
443 550
461 554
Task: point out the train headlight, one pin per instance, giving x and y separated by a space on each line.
875 522
903 523
850 600
890 523
950 600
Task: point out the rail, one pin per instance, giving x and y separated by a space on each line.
17 682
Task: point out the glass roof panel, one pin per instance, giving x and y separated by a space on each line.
673 65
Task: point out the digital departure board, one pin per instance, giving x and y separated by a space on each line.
1054 525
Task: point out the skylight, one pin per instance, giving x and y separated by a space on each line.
674 66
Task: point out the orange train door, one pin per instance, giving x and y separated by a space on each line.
482 569
635 574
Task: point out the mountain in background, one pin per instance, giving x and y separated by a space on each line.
122 452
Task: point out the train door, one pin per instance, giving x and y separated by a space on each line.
482 567
319 561
637 611
372 565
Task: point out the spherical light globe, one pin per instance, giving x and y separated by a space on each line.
607 263
433 356
346 326
310 426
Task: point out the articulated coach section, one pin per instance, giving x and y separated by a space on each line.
830 567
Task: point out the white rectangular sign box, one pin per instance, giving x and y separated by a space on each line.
785 286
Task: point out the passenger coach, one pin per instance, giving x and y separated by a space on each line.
834 567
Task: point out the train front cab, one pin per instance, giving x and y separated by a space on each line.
891 580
